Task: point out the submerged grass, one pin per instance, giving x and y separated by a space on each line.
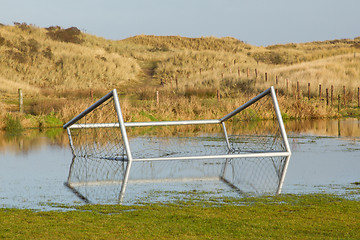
279 217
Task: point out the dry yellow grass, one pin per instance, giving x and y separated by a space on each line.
63 77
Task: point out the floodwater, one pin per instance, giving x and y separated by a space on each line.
34 166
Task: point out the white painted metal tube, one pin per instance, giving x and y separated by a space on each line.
89 109
282 178
172 123
280 120
146 124
95 125
247 104
126 144
228 156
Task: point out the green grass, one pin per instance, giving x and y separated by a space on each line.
280 217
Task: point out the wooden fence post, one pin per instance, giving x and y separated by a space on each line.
21 103
276 80
327 97
287 86
309 91
298 90
320 91
157 98
266 77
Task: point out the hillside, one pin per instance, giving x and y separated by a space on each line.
67 65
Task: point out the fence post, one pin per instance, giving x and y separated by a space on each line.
266 77
327 97
320 91
309 91
287 86
298 90
21 107
157 98
276 80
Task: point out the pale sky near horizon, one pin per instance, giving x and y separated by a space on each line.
257 22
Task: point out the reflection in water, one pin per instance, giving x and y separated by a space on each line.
99 180
349 127
33 139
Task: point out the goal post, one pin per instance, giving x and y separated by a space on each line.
100 132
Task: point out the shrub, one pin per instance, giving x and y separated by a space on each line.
2 40
12 124
23 26
48 53
69 35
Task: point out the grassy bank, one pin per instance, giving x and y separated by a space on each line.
62 71
281 217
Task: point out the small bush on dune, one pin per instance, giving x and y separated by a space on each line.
69 35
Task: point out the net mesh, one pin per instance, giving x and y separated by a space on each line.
254 175
256 129
106 143
96 180
98 169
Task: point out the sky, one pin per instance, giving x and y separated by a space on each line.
256 22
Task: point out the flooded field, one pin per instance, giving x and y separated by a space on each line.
36 164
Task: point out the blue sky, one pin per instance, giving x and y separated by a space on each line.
257 22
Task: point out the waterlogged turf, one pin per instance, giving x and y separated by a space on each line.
279 217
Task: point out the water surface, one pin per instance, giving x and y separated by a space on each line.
35 165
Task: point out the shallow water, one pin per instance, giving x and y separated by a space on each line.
34 167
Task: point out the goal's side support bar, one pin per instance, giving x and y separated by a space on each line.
122 125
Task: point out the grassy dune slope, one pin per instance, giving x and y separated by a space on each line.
63 70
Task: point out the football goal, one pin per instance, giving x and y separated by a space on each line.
247 150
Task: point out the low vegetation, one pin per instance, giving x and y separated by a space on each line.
280 217
62 71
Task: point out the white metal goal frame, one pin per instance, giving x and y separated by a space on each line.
231 155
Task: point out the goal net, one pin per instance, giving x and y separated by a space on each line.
247 150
